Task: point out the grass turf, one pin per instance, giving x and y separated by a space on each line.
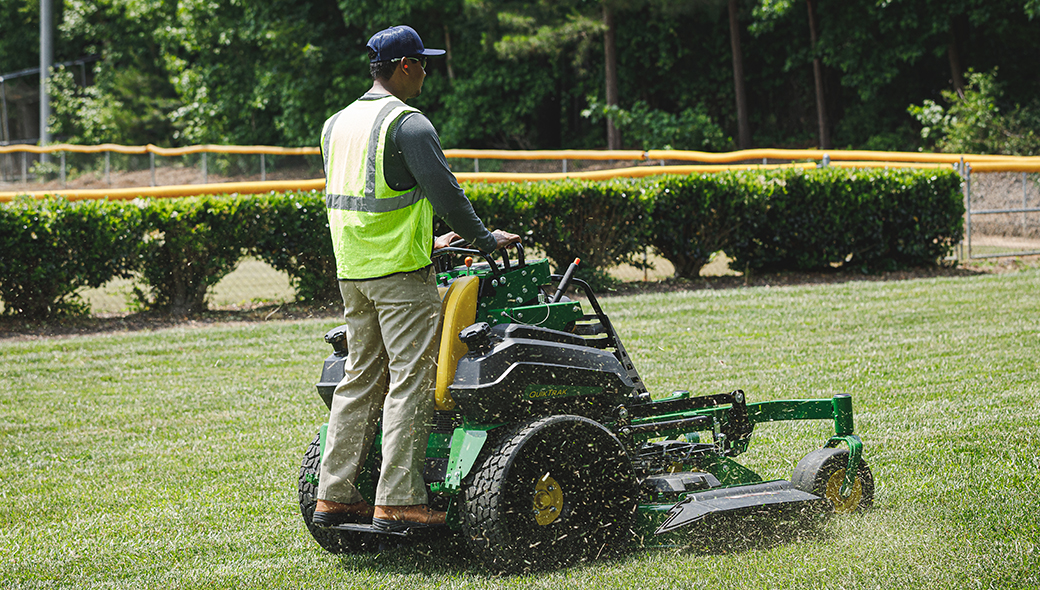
169 459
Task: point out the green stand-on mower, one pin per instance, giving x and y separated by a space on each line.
547 448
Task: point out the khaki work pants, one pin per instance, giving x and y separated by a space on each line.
392 342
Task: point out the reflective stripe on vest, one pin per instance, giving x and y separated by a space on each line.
376 231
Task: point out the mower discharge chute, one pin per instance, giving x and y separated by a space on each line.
547 448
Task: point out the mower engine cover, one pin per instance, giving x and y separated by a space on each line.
511 374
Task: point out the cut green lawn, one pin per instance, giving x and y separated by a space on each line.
169 459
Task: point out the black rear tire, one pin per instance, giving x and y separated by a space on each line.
557 490
331 540
822 472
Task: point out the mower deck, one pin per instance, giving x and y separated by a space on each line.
771 496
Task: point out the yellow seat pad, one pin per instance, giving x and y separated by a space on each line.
458 310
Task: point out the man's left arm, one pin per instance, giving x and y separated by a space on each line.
421 148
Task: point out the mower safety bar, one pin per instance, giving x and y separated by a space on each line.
723 413
690 424
839 408
734 418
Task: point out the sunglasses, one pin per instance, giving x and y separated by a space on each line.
419 60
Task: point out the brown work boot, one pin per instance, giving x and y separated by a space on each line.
400 518
328 513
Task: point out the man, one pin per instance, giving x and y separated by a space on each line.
385 176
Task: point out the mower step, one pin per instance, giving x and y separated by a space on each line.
372 530
774 494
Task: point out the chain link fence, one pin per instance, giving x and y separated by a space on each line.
1003 215
27 172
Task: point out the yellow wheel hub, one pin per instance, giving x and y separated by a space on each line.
843 504
548 500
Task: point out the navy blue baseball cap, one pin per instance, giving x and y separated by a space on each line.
397 42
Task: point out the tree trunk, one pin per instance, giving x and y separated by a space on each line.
743 128
821 99
958 32
447 54
610 52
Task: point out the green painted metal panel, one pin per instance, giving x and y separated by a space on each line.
843 422
799 409
555 316
466 444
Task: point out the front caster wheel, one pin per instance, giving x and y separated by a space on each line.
822 472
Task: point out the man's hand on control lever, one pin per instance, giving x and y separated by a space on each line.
504 238
445 240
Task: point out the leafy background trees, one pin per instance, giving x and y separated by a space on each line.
690 74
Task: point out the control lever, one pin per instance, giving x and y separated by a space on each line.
566 280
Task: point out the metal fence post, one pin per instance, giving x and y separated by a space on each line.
25 167
263 168
63 184
108 168
1025 204
151 165
966 171
476 165
205 173
564 165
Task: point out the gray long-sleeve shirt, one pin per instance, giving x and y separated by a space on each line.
413 156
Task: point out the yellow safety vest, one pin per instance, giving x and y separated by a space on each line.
376 231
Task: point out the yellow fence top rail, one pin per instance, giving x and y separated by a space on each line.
833 155
173 191
547 154
708 162
632 155
159 151
630 172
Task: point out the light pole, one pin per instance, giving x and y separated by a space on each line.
46 59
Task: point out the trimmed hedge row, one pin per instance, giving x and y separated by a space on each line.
603 223
788 219
51 249
872 219
176 249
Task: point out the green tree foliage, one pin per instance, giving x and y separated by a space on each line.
257 71
974 123
519 74
132 99
19 31
126 106
519 69
648 129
